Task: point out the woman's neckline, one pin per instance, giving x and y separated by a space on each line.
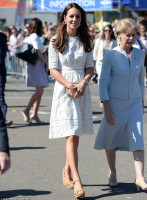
125 50
73 36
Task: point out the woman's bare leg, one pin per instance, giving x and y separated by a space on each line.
38 100
72 143
67 167
35 97
111 158
139 167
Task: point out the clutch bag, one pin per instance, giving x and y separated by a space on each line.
27 53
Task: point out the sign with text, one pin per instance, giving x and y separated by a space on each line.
138 4
59 5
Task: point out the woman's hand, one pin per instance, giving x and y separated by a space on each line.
108 113
72 91
80 89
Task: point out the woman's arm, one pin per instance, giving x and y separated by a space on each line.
89 68
53 67
82 86
41 56
103 88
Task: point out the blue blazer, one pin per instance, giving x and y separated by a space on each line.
120 78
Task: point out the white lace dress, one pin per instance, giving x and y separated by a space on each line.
70 116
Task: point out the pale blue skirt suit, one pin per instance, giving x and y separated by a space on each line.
122 83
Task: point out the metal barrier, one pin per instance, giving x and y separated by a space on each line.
14 65
17 67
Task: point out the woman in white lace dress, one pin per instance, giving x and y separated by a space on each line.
71 64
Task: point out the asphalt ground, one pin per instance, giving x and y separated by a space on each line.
37 162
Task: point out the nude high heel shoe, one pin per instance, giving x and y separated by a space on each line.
80 193
142 186
66 183
112 183
36 118
25 118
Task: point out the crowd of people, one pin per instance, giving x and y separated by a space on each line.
106 41
75 50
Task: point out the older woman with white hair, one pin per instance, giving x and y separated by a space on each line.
122 94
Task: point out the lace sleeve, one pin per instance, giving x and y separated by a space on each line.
89 60
53 55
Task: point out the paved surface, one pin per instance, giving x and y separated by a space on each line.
37 162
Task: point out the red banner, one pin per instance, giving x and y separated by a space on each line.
8 3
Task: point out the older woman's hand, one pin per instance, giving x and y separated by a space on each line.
109 116
108 113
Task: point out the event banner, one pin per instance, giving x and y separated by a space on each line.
59 5
138 4
13 3
20 13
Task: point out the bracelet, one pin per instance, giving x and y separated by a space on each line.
86 81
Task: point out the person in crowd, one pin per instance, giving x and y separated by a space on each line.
97 33
13 44
13 41
6 30
142 35
114 23
139 20
71 64
91 32
122 94
102 45
140 43
26 29
36 75
21 36
4 146
3 50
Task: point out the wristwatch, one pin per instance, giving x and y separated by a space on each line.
86 81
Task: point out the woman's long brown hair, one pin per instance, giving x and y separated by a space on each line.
35 26
112 36
62 36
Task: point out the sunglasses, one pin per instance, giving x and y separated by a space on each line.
107 31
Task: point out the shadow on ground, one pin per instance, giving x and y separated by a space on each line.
25 148
123 188
26 193
22 106
26 125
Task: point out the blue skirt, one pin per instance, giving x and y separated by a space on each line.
127 132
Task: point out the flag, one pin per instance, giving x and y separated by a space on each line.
20 13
